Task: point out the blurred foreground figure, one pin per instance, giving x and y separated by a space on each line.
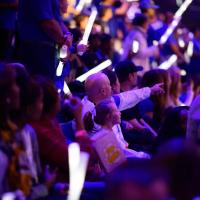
181 160
137 180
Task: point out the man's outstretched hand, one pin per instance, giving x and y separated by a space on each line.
157 89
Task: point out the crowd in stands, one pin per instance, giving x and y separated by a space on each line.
139 122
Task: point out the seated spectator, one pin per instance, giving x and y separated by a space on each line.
180 159
138 136
174 125
176 88
153 109
51 139
139 179
108 115
98 88
31 109
14 169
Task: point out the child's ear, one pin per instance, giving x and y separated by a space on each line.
109 117
102 91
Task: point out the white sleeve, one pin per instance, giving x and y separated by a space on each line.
130 98
149 51
127 45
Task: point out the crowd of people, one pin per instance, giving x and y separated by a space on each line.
139 122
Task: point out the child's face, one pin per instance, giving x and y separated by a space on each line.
115 114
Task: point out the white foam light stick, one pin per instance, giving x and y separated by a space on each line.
63 54
66 89
181 43
96 69
74 159
89 26
190 48
9 196
169 30
189 52
175 22
134 8
182 8
167 64
13 195
135 46
59 69
78 162
149 128
80 5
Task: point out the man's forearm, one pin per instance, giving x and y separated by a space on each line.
53 30
130 98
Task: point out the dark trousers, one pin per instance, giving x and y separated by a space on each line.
39 59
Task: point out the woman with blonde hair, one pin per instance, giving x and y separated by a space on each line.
153 109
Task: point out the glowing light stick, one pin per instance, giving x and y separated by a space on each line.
78 162
63 54
181 43
63 51
59 69
167 64
190 48
149 128
183 72
182 8
175 22
169 30
80 5
66 89
89 26
96 69
134 8
135 46
88 29
9 196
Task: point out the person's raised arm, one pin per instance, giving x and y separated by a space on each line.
130 98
